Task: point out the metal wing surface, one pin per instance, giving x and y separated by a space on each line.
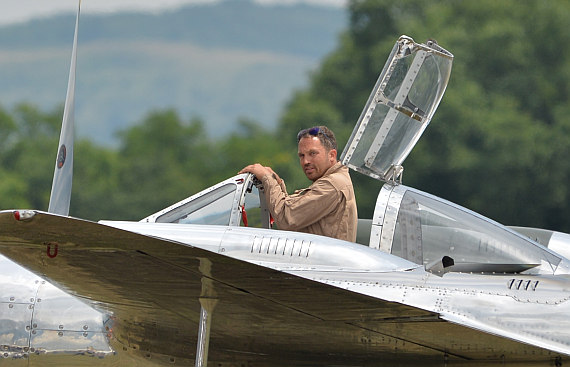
151 287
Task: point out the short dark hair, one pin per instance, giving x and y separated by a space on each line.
325 135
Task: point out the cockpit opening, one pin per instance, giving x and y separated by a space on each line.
236 201
407 223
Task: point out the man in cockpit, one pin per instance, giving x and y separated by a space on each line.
328 206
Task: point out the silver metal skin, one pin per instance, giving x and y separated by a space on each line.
529 307
36 318
427 282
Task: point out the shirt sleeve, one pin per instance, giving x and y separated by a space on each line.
304 207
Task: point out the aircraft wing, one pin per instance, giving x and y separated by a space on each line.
262 316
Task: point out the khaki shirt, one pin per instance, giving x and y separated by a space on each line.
327 207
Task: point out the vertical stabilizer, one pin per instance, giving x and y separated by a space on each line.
63 172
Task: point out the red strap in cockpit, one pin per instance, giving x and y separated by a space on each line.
243 215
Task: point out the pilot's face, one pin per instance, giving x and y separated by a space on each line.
314 158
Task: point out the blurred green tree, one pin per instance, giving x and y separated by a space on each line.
28 140
160 161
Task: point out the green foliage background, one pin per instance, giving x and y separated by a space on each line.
498 144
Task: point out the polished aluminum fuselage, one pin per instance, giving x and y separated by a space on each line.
496 312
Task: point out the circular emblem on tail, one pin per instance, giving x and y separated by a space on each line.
61 156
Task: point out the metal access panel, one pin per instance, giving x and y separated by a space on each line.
399 108
15 319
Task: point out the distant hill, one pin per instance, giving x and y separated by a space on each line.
219 62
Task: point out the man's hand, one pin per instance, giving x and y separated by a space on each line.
258 170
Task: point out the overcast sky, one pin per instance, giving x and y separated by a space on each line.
13 11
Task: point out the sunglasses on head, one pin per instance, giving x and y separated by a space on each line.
314 131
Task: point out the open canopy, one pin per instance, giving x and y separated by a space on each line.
399 108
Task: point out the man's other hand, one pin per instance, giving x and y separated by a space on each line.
257 169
